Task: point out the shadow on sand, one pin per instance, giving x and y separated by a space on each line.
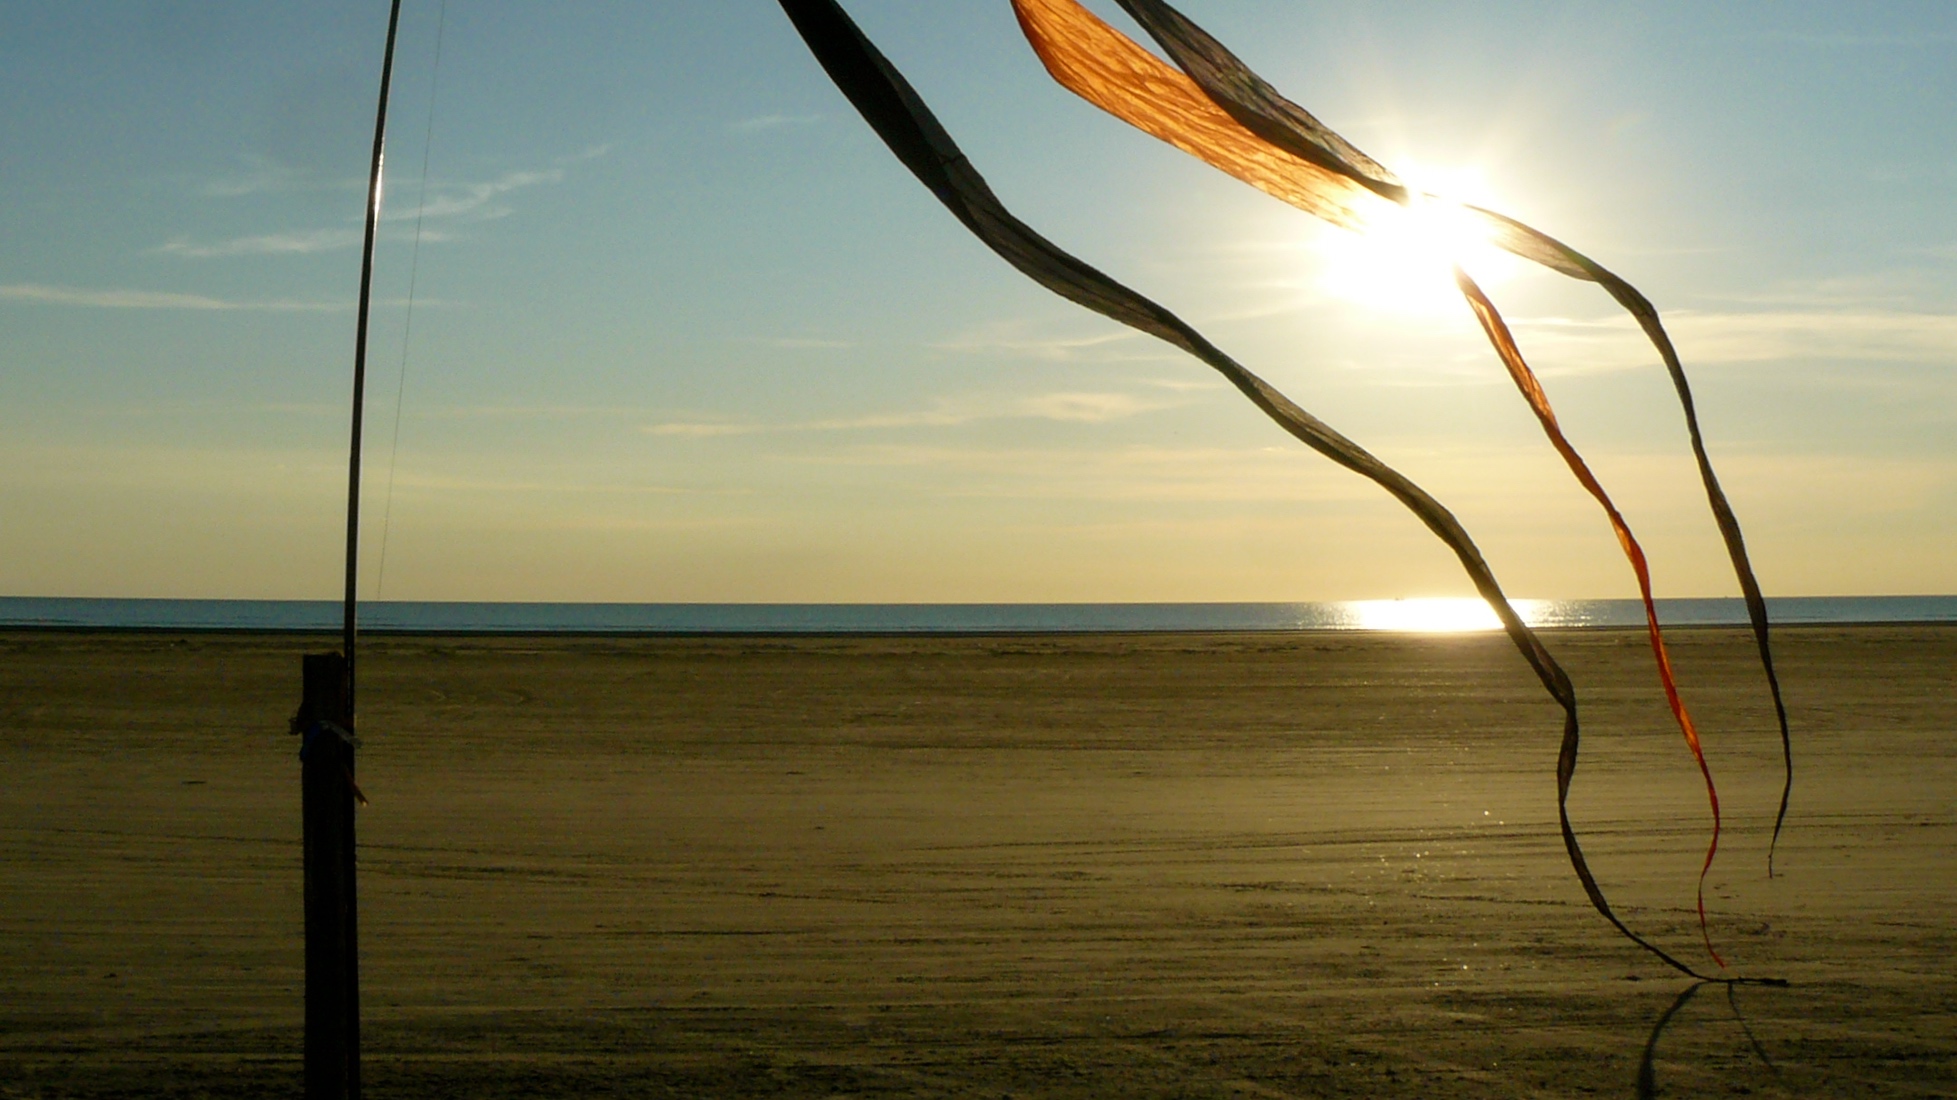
1647 1067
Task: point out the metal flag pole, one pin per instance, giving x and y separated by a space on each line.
326 721
349 616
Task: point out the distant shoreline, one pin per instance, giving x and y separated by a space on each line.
949 619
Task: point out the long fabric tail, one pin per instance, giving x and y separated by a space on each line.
894 110
1256 106
1526 381
1226 115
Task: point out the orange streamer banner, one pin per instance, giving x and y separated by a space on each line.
1216 109
1105 67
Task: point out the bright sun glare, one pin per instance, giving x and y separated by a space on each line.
1404 261
1435 615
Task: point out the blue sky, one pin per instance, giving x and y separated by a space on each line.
683 330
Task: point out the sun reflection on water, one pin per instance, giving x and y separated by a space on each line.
1436 615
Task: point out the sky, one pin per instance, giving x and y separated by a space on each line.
659 319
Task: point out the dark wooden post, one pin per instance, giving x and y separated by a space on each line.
332 956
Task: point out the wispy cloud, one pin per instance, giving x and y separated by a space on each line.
1183 385
708 429
1568 346
1834 484
773 122
150 299
570 484
804 342
455 203
1944 251
1088 408
529 412
1897 337
703 429
262 175
474 201
265 244
1914 41
1205 475
1012 338
1079 407
1892 291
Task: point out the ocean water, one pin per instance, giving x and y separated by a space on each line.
754 618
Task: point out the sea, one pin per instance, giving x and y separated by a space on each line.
1412 615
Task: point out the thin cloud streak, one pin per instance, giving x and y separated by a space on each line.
303 242
527 412
1183 385
1894 291
773 122
459 483
1912 41
474 201
804 343
1190 475
1076 407
462 203
1058 348
703 429
1587 347
152 299
264 175
1088 408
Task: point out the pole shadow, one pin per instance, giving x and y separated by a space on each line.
1647 1088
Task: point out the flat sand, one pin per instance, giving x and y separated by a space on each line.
1124 866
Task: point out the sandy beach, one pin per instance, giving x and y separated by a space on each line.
1033 866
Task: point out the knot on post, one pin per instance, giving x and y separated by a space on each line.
315 728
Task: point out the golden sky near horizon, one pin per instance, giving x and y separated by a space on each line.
683 330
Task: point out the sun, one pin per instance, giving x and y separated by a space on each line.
1403 261
1435 615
